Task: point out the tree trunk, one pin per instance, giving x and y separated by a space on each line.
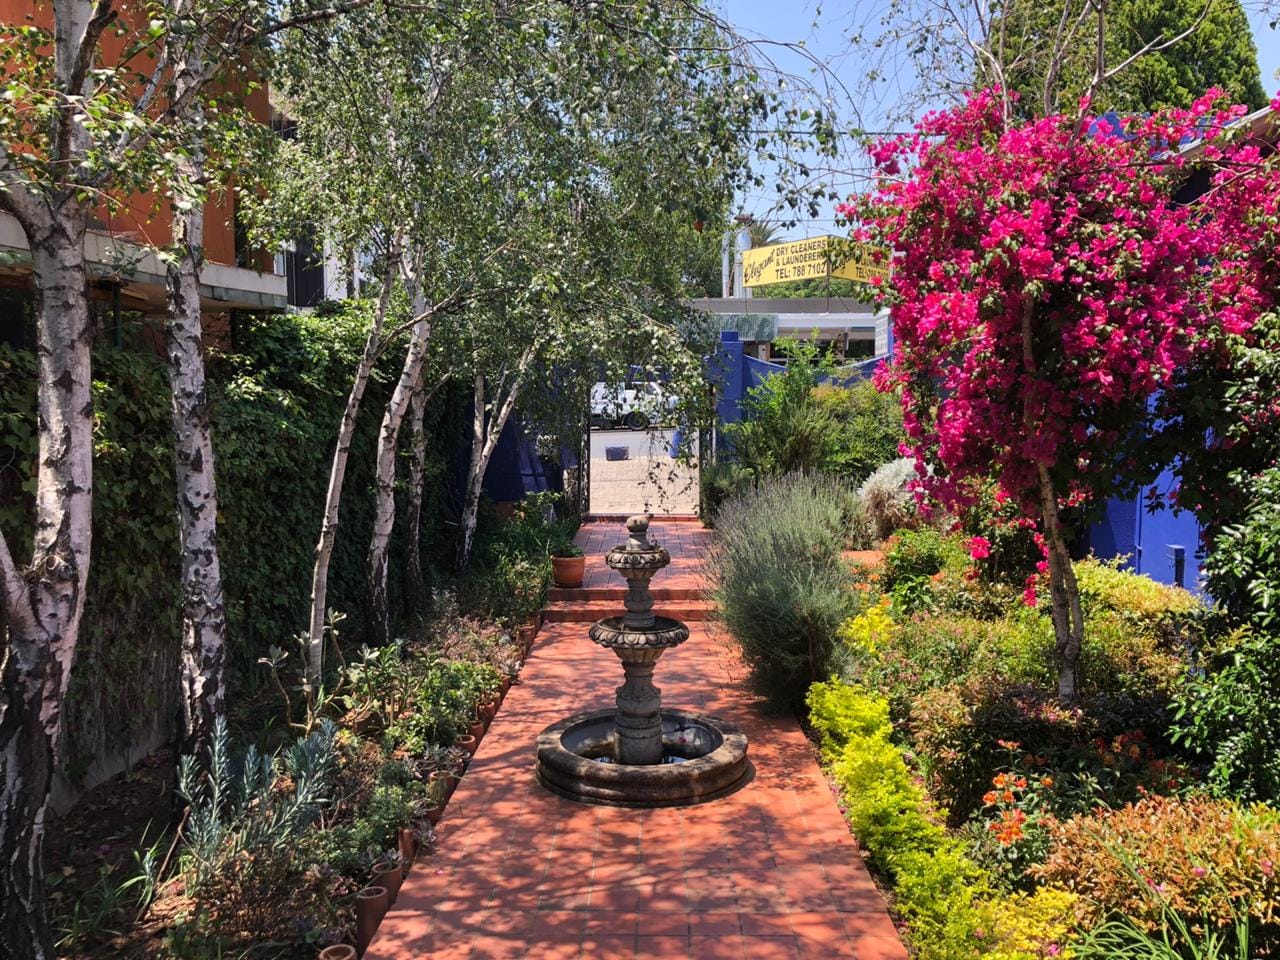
204 621
1066 612
486 432
475 474
337 473
44 605
415 581
378 615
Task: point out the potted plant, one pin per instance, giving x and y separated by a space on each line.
568 563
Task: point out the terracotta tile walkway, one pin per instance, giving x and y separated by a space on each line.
769 872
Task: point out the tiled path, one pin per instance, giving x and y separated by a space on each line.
769 872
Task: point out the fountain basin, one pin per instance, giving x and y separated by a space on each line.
706 758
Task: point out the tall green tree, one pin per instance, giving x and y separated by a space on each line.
1190 46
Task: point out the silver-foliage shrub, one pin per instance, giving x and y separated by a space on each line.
234 804
779 581
887 503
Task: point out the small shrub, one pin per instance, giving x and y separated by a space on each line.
719 482
950 910
1230 717
1210 862
887 501
934 883
915 556
1028 926
1106 585
1100 752
779 583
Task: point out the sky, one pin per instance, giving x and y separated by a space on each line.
824 27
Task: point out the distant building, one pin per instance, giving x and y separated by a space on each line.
127 278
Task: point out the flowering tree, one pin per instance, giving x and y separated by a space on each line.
1046 287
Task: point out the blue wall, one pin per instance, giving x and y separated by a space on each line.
1150 540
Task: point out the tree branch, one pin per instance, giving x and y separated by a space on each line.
17 599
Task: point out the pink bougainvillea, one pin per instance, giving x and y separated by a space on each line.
1046 286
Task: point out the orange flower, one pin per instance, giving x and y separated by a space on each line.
1007 797
1001 780
990 797
1046 781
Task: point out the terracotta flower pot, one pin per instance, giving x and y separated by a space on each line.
408 848
568 571
467 742
339 951
371 907
506 687
477 731
389 875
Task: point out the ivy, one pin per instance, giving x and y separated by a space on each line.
275 403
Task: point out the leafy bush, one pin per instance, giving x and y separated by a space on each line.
806 419
720 481
912 557
870 427
779 582
951 912
1243 567
1100 752
1230 717
1210 862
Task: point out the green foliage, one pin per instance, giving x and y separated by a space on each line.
1243 566
1229 716
1175 939
511 573
443 703
814 288
951 911
805 419
274 405
912 558
1219 53
720 481
235 804
779 582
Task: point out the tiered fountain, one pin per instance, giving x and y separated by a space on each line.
638 754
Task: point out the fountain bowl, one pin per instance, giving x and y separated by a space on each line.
707 761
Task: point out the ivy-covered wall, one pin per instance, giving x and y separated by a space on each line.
276 399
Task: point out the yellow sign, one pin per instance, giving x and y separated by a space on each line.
813 259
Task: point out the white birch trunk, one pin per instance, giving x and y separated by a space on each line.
204 621
415 581
485 435
337 473
44 604
378 614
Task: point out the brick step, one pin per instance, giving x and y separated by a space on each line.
615 594
657 518
589 611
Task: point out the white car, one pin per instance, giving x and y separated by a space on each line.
636 403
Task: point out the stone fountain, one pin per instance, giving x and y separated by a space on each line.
639 754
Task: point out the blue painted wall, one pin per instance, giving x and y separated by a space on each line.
1150 541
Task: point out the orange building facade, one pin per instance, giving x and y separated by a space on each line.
234 276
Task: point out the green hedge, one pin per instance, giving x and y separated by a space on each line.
275 403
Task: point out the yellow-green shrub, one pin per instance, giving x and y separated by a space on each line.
937 889
1105 585
1027 926
870 629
